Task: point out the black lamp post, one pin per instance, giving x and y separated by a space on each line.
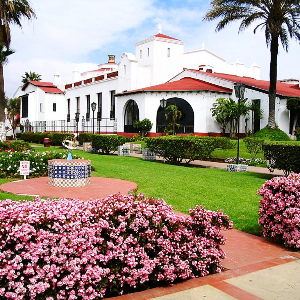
77 120
239 89
94 105
163 103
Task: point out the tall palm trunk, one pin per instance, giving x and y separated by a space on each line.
2 106
273 81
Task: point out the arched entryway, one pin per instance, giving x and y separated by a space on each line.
186 120
131 115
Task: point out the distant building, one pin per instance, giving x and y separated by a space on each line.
132 90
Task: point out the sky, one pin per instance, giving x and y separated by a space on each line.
72 32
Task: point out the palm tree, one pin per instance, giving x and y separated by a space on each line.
13 110
31 76
11 12
280 20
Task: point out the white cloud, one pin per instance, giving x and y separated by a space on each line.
72 31
67 32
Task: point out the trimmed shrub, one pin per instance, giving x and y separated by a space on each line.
283 156
254 146
297 133
280 209
143 126
175 149
107 143
272 134
84 137
59 249
56 138
223 143
34 137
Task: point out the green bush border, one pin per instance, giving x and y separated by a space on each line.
283 156
175 149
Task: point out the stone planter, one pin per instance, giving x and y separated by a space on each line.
148 155
124 150
87 146
236 168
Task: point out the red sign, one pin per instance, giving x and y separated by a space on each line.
24 167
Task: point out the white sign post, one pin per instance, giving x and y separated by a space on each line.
24 168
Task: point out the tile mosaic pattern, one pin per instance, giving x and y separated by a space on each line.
64 173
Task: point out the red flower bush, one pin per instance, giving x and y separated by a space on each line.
280 209
70 249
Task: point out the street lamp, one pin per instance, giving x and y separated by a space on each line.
239 89
94 105
163 103
77 120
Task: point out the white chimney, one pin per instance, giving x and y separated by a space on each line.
57 79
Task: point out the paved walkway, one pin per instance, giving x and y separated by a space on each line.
254 268
99 188
223 166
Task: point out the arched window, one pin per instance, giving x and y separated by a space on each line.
131 116
186 120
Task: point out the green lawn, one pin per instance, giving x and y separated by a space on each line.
183 187
223 154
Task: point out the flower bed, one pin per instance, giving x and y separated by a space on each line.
14 146
10 162
70 249
246 161
280 209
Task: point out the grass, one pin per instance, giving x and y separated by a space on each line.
182 187
185 187
223 154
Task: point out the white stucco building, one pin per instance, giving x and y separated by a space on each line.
133 88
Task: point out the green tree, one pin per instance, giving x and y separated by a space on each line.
220 111
174 115
280 20
143 126
31 76
227 111
11 12
13 110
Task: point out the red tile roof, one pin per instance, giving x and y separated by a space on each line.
283 89
40 83
184 84
51 90
47 87
165 36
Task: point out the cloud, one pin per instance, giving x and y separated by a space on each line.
69 32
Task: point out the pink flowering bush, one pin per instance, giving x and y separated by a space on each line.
70 249
280 209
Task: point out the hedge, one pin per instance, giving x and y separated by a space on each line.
107 143
175 149
56 138
34 137
283 156
84 137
